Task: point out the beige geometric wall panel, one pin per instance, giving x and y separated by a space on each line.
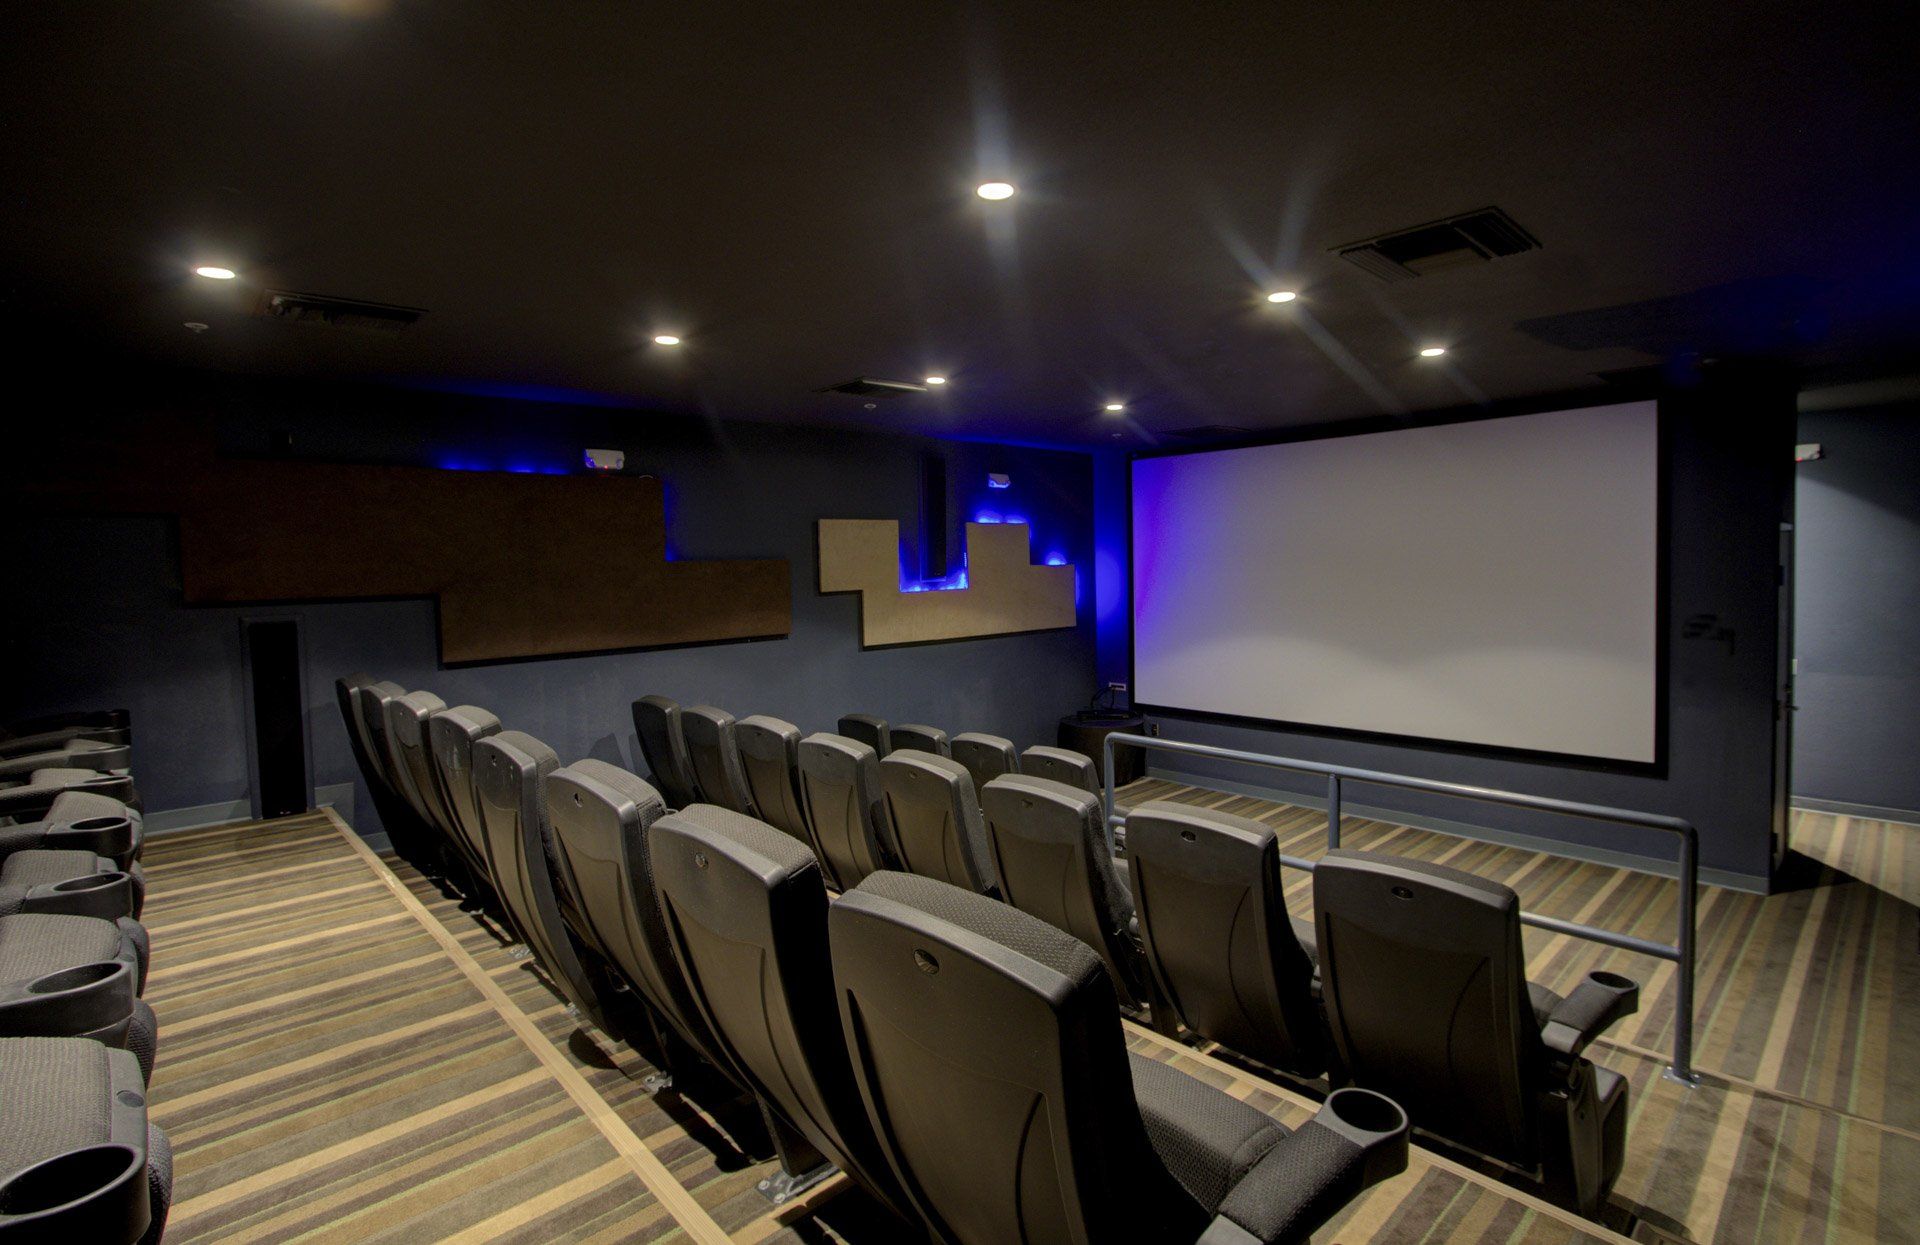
1005 593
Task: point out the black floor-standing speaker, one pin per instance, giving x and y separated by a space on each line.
277 713
1086 732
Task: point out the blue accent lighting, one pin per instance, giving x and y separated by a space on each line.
986 516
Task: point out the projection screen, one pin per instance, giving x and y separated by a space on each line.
1491 583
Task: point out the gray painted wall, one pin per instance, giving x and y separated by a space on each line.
106 626
1727 491
1857 611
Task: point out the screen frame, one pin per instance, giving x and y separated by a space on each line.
1663 442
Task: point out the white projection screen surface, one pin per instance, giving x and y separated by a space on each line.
1491 583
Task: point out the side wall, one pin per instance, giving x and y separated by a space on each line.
1857 612
105 624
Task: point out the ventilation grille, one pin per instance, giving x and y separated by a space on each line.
339 313
869 387
1458 241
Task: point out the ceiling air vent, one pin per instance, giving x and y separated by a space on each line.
1207 432
1472 238
869 387
339 313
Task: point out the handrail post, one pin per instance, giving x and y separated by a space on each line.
1106 822
1682 1069
1333 811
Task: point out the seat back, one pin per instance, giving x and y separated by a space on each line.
840 790
601 816
451 736
985 756
406 825
509 770
1213 918
407 737
1049 850
656 724
937 830
868 730
989 1054
919 739
745 911
715 757
1425 985
1076 769
357 700
770 761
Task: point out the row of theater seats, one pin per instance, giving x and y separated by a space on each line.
961 1060
78 1158
1410 980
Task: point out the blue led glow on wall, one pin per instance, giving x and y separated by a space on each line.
519 467
986 516
1056 559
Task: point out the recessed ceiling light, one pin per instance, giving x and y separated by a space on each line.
195 326
936 380
995 190
214 273
1433 352
1115 407
665 339
1282 296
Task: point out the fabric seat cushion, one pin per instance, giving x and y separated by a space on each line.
1207 1139
45 866
37 944
56 1092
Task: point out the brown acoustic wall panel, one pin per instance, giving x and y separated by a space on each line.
523 565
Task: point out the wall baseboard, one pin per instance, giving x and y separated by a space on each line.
199 816
1873 812
1466 830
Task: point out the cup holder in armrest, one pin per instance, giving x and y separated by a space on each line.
112 837
107 895
1372 1121
1612 981
90 882
88 1000
75 978
96 825
96 1193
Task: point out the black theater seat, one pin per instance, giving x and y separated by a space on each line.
74 882
112 726
1213 920
510 769
770 760
715 757
79 1161
909 735
1424 977
986 757
994 1069
1049 850
451 736
937 829
76 976
745 909
1076 769
412 758
412 837
656 724
601 816
867 729
845 804
80 821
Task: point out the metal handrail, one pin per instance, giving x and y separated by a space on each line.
1680 952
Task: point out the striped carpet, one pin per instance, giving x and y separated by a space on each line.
347 1054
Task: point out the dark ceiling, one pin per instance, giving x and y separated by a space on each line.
790 188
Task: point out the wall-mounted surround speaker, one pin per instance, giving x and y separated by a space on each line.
276 704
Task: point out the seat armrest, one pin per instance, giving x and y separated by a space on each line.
1601 999
1358 1139
106 896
